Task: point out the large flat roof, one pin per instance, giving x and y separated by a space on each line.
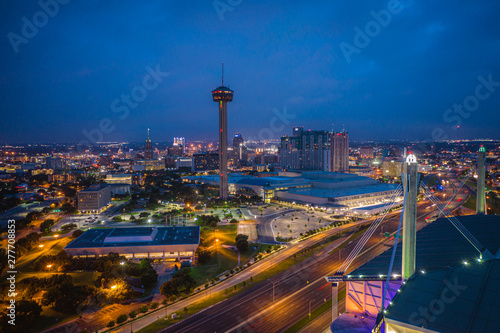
466 298
137 236
439 245
96 187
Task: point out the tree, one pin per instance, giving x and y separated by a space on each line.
204 256
181 282
121 318
186 310
148 274
143 309
117 218
233 221
242 242
153 305
77 233
144 214
27 310
132 314
68 208
46 225
111 323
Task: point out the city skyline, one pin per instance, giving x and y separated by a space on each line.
298 63
352 184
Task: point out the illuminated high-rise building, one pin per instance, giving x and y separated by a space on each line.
339 144
238 146
180 143
222 95
305 150
148 149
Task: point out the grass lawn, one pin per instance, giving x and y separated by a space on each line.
223 261
224 233
351 238
470 203
471 184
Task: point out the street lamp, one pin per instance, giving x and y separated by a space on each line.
114 286
40 246
310 308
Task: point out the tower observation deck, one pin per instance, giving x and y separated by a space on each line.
223 95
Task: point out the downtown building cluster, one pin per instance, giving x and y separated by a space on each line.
315 150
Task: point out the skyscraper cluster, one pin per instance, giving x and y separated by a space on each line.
315 150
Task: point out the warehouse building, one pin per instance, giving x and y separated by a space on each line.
165 243
333 190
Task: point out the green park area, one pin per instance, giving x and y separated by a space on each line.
221 259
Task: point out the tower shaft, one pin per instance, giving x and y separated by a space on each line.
410 184
223 149
481 183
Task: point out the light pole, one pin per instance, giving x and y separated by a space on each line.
216 253
310 308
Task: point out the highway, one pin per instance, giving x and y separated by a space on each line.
296 288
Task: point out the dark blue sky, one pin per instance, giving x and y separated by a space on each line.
65 78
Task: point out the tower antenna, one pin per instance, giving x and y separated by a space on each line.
223 73
148 133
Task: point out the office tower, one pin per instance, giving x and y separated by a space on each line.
205 161
297 130
237 141
223 95
305 150
367 152
180 143
339 143
238 148
148 149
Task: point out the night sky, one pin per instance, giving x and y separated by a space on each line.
397 82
